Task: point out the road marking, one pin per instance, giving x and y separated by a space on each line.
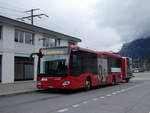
85 102
75 105
108 95
137 85
118 91
114 93
123 90
102 97
95 99
62 110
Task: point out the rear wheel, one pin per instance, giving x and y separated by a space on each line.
87 84
113 81
127 80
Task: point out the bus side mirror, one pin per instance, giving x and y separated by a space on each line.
33 54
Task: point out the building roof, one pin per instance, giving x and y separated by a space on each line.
37 29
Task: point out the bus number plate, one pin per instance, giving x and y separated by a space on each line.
50 86
44 79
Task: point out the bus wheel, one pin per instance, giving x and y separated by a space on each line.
127 80
113 81
87 84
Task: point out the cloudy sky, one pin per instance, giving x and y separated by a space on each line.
101 24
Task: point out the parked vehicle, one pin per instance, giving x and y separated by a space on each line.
137 70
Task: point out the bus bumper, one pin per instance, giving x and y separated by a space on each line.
56 83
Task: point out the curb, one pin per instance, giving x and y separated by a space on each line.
18 93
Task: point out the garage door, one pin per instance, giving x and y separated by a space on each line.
24 69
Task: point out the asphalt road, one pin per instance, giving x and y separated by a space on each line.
133 97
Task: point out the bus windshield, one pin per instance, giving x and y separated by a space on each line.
53 65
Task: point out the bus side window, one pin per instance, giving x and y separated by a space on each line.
74 60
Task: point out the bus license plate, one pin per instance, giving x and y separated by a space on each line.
50 86
44 79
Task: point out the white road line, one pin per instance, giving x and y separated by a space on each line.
95 99
85 102
123 90
114 93
137 85
117 91
108 95
75 105
62 110
102 97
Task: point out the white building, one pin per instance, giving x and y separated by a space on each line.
17 41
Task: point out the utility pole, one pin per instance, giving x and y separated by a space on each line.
32 15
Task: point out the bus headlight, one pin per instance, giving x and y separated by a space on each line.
66 83
38 83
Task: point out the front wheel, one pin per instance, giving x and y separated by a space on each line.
87 84
127 80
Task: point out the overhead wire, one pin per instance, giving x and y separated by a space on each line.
11 9
8 9
12 12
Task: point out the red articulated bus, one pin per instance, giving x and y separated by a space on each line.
74 67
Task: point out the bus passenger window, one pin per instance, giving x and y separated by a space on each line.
74 59
74 68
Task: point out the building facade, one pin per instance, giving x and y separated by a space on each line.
17 41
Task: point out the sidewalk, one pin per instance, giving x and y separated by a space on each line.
17 87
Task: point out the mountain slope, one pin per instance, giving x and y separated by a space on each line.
136 49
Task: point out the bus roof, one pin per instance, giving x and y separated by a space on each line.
84 49
87 50
112 54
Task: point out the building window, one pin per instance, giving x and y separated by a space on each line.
52 42
0 32
57 42
47 42
29 39
24 37
19 35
